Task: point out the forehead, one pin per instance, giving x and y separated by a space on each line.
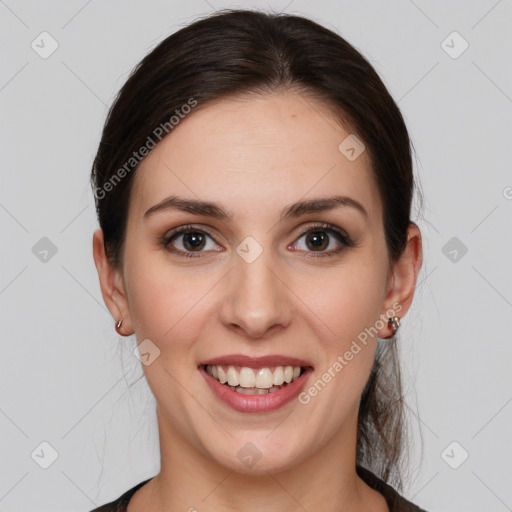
252 150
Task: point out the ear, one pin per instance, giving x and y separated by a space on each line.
112 285
403 280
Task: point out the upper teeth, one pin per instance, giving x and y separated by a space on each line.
250 378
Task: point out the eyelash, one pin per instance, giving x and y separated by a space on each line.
340 236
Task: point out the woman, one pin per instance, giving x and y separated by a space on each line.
253 187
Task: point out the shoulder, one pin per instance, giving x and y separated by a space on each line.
395 501
121 503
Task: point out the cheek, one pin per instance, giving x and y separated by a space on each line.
152 304
347 299
344 318
166 304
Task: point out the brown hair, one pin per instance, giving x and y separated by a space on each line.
233 52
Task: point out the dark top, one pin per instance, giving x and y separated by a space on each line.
395 501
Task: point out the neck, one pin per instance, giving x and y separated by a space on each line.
190 480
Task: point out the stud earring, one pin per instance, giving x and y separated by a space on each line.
118 324
394 323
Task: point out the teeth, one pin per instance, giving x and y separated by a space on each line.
279 375
232 375
263 379
254 391
221 375
247 378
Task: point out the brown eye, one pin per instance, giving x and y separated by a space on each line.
193 240
324 240
319 240
187 240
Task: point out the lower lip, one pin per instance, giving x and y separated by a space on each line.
255 403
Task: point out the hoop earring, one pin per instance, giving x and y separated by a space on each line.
394 323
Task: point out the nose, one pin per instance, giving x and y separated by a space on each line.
256 299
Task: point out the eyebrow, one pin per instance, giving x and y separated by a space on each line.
197 207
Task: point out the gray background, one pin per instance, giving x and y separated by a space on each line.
68 380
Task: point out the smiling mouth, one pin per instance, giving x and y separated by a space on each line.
255 381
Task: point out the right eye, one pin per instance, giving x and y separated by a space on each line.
191 239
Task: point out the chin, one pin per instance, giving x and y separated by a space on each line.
258 454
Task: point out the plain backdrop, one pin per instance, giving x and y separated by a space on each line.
71 394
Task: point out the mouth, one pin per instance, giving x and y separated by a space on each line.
255 384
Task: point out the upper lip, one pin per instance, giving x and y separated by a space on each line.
257 362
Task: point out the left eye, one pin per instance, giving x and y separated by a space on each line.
324 240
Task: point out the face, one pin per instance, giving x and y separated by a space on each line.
296 285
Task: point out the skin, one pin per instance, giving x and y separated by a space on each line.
243 153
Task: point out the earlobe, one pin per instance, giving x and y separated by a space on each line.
112 288
403 283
